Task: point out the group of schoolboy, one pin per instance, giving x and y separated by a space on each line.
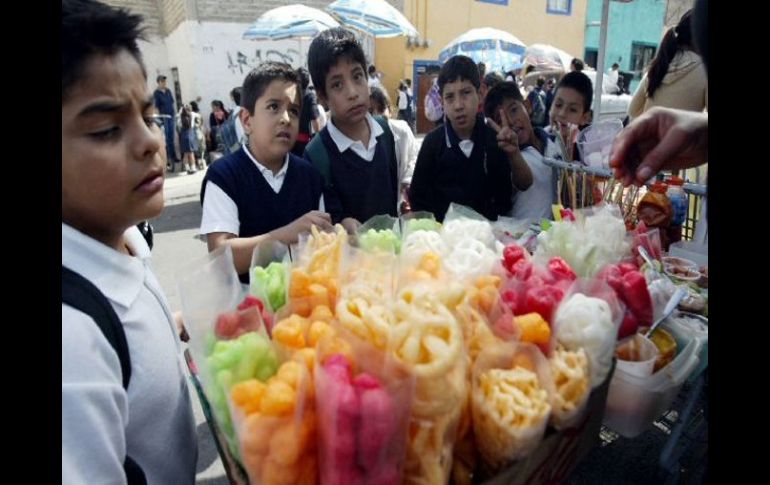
131 420
353 170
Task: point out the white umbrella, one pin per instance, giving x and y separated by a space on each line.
291 21
375 17
498 50
547 57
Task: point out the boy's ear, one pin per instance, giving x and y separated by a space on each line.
528 105
586 117
245 116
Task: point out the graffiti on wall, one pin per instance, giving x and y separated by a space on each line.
242 63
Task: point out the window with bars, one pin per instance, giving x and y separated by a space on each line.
559 7
641 56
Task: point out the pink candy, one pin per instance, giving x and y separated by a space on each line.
357 426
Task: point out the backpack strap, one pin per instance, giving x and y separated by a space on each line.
81 294
320 158
390 144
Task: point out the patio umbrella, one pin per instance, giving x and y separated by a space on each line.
499 50
547 57
374 17
291 21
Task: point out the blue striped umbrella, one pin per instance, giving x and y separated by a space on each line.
375 17
291 21
500 51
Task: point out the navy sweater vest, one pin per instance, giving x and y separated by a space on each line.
365 189
260 209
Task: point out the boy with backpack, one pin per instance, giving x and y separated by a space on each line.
262 192
126 413
356 153
537 105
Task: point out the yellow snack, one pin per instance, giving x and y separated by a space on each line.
569 370
247 395
279 398
322 313
510 412
319 330
534 328
305 356
290 332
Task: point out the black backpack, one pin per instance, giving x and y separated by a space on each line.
81 294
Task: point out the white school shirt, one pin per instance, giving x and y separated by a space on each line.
535 202
101 422
220 213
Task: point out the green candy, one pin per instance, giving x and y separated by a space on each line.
270 283
383 240
422 225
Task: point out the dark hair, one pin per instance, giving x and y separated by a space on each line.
259 79
371 70
219 105
194 106
614 65
90 28
236 94
327 49
408 82
378 99
492 79
577 64
482 69
676 39
160 78
458 68
498 94
540 81
304 77
186 118
580 83
402 86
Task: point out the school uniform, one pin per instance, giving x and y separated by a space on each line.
535 202
363 181
102 423
243 197
474 173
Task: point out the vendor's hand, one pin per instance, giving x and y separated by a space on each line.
660 139
289 234
507 140
183 335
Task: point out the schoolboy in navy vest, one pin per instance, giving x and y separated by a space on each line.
466 160
355 152
261 192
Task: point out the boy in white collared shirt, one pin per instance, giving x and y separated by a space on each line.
356 152
262 192
112 178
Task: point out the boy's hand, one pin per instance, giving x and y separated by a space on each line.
183 335
507 140
350 224
289 233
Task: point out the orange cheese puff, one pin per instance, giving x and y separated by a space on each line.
255 439
292 440
305 356
247 395
290 372
273 473
319 330
290 331
278 399
322 313
534 329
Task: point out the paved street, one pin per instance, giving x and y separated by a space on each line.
620 460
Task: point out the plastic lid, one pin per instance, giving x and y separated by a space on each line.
674 180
